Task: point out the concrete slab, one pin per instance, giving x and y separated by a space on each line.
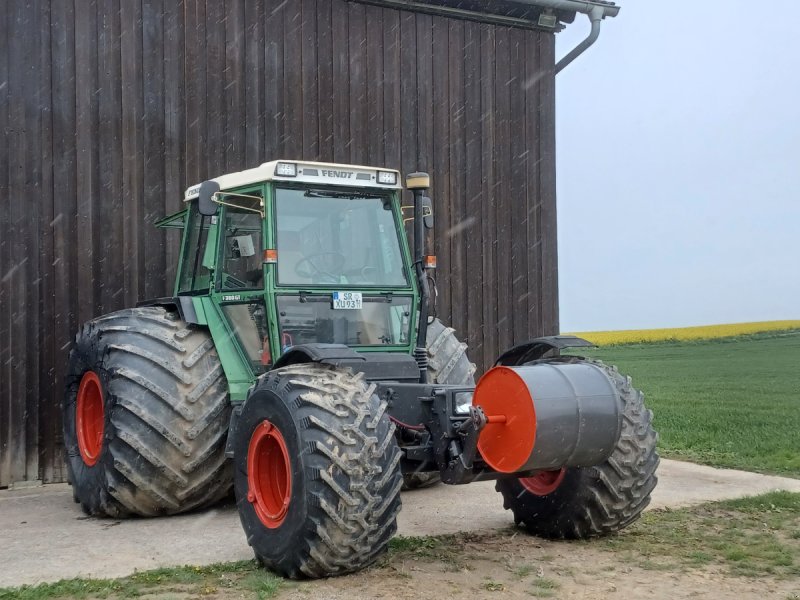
45 537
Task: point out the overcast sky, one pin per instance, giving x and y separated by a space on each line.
679 167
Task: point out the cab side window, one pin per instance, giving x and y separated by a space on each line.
242 250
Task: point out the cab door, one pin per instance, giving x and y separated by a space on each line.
239 287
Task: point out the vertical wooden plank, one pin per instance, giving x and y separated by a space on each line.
408 93
108 140
489 192
473 195
36 111
195 49
459 229
517 207
376 133
255 115
547 145
273 79
6 370
324 69
532 87
235 109
21 273
439 141
392 123
87 157
503 202
341 82
63 225
214 64
424 117
292 142
154 258
358 84
46 411
132 149
309 129
174 135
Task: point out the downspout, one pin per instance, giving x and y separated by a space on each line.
595 12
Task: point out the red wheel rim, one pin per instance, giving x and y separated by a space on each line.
269 475
90 418
544 482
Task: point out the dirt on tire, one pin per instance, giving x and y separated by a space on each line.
166 413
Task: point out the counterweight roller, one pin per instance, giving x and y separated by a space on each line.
547 416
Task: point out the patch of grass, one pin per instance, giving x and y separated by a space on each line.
196 581
726 403
449 549
493 586
748 537
544 587
523 571
263 583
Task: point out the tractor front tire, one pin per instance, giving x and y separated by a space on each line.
146 416
578 503
447 364
317 475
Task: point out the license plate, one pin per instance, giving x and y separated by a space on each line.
347 300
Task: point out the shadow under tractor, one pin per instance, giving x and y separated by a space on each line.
297 363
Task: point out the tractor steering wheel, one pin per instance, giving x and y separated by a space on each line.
307 272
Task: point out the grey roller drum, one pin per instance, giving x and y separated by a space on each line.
146 416
583 502
447 364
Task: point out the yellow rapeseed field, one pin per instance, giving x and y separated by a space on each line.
705 332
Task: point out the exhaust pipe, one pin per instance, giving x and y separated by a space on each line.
547 416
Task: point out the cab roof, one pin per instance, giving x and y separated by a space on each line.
306 172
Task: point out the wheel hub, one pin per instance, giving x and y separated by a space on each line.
544 482
269 475
90 418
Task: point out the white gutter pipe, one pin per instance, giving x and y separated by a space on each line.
596 13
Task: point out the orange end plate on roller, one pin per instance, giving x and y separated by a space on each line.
506 441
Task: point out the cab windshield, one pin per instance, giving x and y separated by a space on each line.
336 238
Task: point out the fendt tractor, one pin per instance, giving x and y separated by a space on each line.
297 363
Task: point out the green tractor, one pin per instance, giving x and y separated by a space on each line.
297 363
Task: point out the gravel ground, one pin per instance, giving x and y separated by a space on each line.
45 536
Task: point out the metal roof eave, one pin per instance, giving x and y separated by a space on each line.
503 12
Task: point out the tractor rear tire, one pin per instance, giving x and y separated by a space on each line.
578 503
317 471
146 415
447 364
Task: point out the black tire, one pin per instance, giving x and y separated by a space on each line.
447 364
344 495
598 500
165 416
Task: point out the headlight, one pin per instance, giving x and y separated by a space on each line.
462 401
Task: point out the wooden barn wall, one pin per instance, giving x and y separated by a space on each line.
110 108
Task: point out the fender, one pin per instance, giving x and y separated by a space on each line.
538 347
181 304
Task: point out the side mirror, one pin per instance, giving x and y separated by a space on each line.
205 201
427 212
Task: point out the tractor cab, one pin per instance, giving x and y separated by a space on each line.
294 253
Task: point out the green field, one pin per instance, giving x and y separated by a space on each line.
731 402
